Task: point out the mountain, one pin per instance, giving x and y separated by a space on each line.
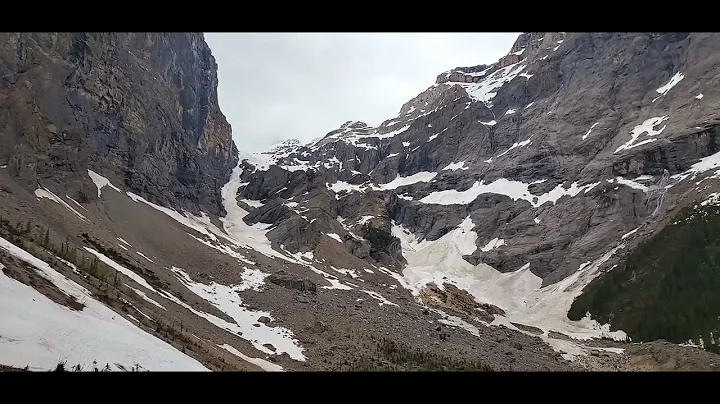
509 217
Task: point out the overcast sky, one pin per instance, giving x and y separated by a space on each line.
283 86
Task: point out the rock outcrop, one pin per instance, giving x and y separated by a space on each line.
458 302
140 107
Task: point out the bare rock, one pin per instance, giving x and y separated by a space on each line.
139 108
288 281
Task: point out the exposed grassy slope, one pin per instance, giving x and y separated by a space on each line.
667 287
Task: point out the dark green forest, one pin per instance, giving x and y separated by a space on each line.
667 288
379 239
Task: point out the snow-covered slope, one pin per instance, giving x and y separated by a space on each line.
39 333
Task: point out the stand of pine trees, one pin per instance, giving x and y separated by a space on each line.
667 287
28 236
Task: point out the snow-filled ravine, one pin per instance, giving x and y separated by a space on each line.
39 333
519 293
234 235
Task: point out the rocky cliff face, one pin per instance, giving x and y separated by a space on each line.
554 152
141 106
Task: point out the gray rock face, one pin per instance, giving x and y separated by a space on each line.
140 108
542 135
288 281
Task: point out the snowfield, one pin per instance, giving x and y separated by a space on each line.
38 333
519 293
227 300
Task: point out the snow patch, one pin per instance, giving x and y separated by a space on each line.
340 186
347 272
334 281
227 300
379 297
493 244
486 89
646 127
334 237
130 274
628 234
101 182
37 332
77 203
145 297
365 219
590 130
456 166
411 179
513 189
431 138
144 256
630 183
254 204
261 363
669 85
45 193
515 146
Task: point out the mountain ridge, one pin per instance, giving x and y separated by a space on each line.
540 178
463 229
487 119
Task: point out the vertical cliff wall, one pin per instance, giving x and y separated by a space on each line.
139 107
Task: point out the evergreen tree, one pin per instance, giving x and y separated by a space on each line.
46 239
72 255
